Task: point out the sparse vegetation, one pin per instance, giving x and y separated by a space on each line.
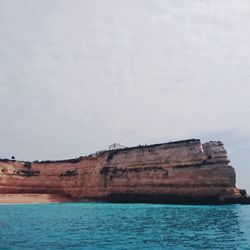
28 173
68 173
27 165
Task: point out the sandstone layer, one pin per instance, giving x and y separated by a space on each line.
185 172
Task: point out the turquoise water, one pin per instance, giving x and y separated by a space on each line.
124 226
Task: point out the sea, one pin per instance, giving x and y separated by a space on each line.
123 226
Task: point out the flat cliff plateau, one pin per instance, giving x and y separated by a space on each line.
181 172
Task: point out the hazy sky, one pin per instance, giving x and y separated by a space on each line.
78 75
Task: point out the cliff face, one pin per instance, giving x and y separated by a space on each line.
177 172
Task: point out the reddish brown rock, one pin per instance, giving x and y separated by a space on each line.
186 172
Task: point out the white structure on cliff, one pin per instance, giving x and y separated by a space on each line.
116 146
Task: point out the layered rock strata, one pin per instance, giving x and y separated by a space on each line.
185 172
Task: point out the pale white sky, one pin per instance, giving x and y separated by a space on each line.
76 76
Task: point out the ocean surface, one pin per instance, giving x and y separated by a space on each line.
124 226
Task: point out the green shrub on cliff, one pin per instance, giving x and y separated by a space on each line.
27 165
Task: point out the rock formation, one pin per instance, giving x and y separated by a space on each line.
185 172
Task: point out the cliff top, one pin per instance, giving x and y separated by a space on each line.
80 158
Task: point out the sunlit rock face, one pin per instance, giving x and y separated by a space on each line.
186 172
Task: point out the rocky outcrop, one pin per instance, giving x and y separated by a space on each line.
185 172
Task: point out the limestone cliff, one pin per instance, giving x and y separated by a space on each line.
176 172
